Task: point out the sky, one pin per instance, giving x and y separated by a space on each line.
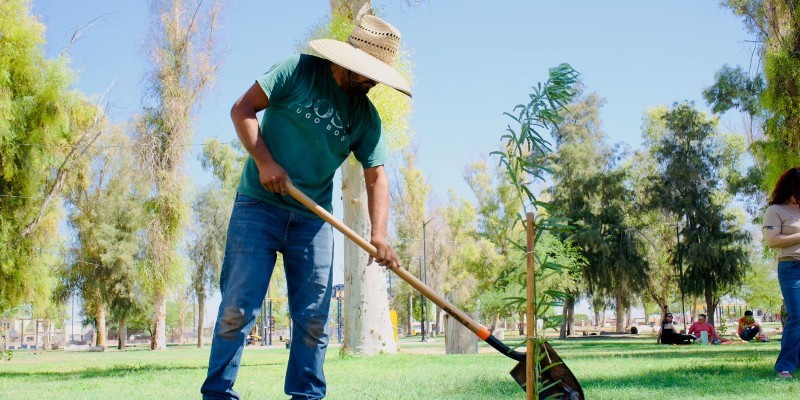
473 60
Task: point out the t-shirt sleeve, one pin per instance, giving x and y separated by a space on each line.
772 221
278 81
371 149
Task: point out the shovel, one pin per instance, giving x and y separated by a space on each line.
559 381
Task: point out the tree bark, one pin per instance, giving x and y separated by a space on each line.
562 332
458 339
571 316
619 311
711 305
102 330
46 340
495 319
123 333
367 322
201 309
438 321
409 319
521 324
158 340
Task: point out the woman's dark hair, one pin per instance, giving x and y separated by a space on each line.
788 185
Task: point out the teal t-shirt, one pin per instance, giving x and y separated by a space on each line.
310 127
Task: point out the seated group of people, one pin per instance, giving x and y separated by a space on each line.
749 329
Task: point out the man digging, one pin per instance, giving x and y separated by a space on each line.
316 114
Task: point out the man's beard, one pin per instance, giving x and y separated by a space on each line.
355 88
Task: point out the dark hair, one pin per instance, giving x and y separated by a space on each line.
748 313
788 185
701 316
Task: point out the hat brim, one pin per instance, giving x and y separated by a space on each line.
358 61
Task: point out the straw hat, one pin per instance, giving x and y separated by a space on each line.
370 51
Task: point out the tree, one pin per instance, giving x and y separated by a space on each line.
661 240
409 199
44 128
212 208
690 157
776 26
579 147
523 156
184 63
760 288
107 216
591 190
733 88
495 266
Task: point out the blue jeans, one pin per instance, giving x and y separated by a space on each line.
256 233
789 278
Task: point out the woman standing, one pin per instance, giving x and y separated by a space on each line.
782 231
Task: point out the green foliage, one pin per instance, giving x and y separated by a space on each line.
224 161
523 157
212 208
598 197
185 62
781 150
734 89
106 196
776 26
690 157
409 213
760 288
39 118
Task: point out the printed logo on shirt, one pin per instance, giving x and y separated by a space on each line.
322 112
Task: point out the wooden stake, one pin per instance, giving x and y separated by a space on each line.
530 360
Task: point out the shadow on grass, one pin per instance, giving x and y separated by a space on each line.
719 380
115 371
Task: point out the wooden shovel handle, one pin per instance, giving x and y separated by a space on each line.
440 301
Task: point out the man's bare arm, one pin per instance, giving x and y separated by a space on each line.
378 204
243 113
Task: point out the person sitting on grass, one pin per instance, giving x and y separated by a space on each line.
702 325
748 327
667 334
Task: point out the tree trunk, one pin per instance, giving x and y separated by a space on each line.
619 311
458 339
438 321
201 310
102 331
521 324
711 304
571 317
46 345
628 321
181 319
367 322
159 335
596 318
495 320
567 318
409 317
123 333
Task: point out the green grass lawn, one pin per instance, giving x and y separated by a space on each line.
607 368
